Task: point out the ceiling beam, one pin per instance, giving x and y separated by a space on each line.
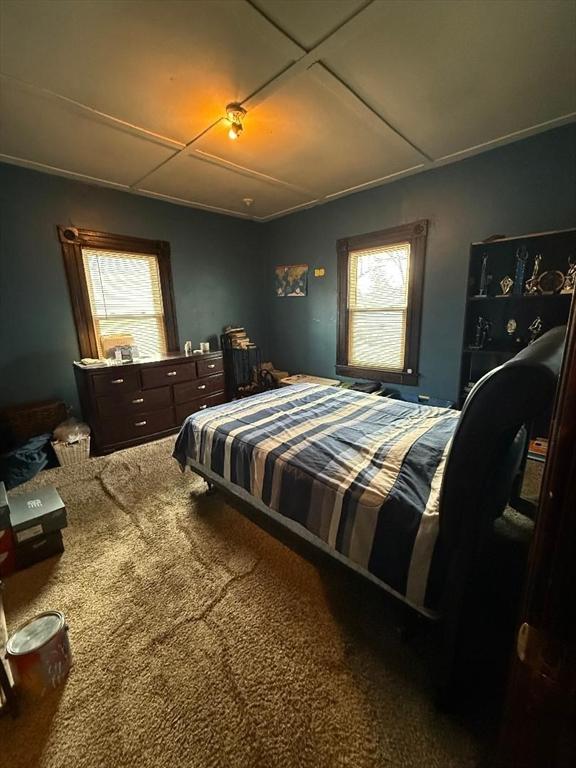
312 57
332 82
308 59
331 33
191 203
36 166
183 150
207 157
95 114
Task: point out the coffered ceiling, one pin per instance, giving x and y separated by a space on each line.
340 94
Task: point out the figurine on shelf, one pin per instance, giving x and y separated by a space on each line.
532 287
520 269
570 279
483 276
481 333
511 327
550 282
506 284
535 328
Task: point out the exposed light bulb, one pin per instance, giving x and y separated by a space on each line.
235 114
235 131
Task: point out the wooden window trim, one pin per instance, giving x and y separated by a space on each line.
416 234
72 241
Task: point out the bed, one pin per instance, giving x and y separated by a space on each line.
405 493
361 473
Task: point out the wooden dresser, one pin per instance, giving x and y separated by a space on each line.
132 403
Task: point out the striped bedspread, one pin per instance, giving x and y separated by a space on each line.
361 472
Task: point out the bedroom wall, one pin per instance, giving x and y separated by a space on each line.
528 186
223 267
213 284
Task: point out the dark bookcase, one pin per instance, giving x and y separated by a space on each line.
507 318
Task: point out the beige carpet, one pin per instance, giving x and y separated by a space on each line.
200 640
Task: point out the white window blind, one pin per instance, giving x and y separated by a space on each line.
126 297
378 281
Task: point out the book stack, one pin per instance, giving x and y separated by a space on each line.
238 338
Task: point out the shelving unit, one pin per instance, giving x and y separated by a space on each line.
242 368
498 310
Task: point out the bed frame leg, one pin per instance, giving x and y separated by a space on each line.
409 624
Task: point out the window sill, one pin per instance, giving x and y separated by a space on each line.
376 374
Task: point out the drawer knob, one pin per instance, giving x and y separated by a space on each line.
139 423
117 381
138 400
203 406
212 365
171 373
201 386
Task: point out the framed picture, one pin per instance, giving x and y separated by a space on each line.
291 280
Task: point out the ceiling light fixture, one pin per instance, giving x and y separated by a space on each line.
235 114
235 131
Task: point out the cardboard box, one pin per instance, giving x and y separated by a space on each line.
109 342
40 548
36 513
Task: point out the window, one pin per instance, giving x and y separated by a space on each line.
120 285
380 279
126 297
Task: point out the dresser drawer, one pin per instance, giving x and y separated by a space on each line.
139 401
167 374
116 381
199 388
129 427
210 366
184 410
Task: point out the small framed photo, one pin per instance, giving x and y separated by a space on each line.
291 280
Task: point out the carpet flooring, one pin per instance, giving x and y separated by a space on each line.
200 640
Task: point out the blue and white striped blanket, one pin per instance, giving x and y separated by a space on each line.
361 472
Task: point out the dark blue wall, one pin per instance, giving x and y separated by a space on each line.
223 267
528 186
214 266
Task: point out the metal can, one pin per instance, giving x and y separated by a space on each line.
39 653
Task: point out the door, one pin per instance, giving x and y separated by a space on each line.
539 725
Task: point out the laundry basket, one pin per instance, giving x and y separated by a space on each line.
72 453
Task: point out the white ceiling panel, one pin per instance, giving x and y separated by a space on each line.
37 128
314 134
454 75
202 180
341 94
309 22
170 66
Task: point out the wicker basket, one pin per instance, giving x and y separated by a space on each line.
72 453
21 422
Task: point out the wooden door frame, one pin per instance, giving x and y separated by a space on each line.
538 724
